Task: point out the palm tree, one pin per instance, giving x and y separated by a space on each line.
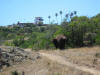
56 17
61 15
49 17
71 15
66 16
75 13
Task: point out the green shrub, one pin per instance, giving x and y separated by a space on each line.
98 40
15 73
97 55
8 43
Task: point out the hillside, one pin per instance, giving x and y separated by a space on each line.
80 31
50 37
33 45
77 61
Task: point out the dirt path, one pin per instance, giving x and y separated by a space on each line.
61 60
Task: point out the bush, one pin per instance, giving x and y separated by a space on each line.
8 43
15 73
98 40
97 55
18 41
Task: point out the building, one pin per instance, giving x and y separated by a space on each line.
38 20
24 24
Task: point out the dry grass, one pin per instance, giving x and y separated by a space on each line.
43 66
82 56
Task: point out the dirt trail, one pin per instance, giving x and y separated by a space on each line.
61 60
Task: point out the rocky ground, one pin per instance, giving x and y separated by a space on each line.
77 61
10 56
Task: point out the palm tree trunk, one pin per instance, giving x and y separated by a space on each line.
49 20
57 20
61 18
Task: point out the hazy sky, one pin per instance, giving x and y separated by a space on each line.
12 11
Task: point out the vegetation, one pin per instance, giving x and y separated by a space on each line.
15 73
79 30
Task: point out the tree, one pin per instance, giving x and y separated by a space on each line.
75 13
49 17
61 15
56 17
66 16
71 15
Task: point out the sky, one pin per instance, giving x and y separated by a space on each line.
12 11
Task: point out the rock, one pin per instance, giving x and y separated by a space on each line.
12 55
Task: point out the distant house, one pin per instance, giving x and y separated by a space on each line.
10 26
38 21
24 24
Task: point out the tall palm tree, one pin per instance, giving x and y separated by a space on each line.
75 13
49 17
67 15
56 17
71 15
61 15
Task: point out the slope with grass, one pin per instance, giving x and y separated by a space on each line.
77 61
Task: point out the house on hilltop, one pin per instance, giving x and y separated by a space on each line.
38 21
24 24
